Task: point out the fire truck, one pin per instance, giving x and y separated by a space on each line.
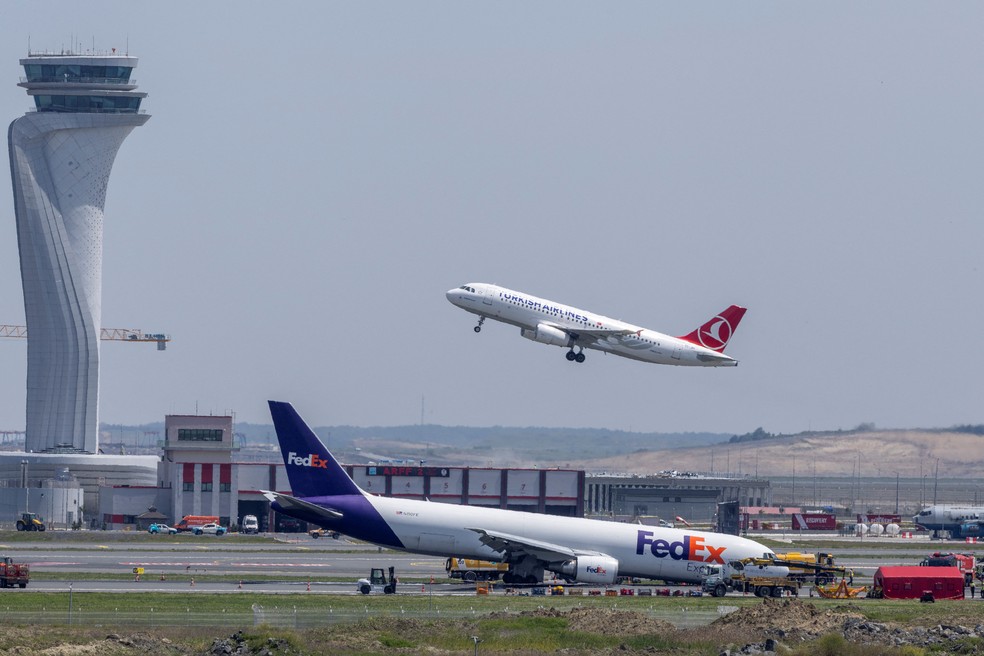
12 574
966 563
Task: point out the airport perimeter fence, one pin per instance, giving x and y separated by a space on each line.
295 618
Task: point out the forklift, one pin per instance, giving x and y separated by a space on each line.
377 581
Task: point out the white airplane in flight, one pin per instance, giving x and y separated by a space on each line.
585 550
556 324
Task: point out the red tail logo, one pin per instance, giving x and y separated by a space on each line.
716 333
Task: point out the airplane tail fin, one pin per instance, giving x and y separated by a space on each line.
716 333
311 469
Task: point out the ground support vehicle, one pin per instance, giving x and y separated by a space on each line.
815 568
840 590
154 529
764 577
13 574
323 532
210 529
250 525
377 582
189 522
966 563
30 522
761 586
471 570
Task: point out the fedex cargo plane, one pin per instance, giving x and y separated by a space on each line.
585 550
548 322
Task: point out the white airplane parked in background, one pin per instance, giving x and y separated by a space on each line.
552 323
583 550
960 521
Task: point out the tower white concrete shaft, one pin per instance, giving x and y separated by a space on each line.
61 155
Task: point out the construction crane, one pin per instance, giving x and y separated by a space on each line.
109 334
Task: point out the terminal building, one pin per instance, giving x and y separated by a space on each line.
693 497
199 474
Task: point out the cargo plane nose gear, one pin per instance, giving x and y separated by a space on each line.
575 357
478 328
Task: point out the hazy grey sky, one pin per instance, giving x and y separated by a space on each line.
315 176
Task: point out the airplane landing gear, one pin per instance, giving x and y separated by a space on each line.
478 328
575 357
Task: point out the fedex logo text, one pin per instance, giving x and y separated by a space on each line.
690 548
312 460
596 570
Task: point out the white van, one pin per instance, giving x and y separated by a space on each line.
250 525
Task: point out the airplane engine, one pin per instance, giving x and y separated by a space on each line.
545 334
591 569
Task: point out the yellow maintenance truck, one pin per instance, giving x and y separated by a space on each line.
470 570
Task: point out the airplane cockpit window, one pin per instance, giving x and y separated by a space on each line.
467 288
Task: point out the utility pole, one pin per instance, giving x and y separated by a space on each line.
896 493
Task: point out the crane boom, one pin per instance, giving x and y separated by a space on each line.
108 334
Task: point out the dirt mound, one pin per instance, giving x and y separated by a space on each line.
788 616
603 621
616 622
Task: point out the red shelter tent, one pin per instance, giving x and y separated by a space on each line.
911 582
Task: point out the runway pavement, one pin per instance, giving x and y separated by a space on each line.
290 564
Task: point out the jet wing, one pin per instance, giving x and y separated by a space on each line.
598 333
289 503
593 333
515 546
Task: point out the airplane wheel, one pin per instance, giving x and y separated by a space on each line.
579 357
478 329
571 356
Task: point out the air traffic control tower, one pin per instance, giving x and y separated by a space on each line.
61 155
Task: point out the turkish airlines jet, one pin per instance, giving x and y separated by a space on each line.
556 324
585 550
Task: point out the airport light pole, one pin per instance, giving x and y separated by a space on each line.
896 493
24 485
